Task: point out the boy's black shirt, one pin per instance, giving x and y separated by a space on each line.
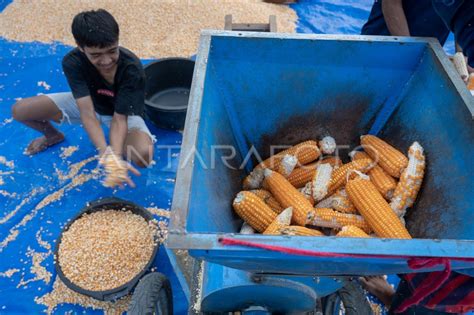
126 96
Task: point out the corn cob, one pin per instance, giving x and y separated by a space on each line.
246 229
339 176
262 193
389 158
373 207
352 231
287 165
253 180
305 152
410 181
267 197
327 145
326 217
385 183
307 193
300 231
303 174
288 196
281 221
460 64
320 182
334 161
338 201
253 210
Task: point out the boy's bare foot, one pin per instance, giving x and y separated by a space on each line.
42 143
378 286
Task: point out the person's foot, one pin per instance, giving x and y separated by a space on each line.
378 286
42 143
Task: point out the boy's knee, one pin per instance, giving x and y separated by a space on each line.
17 110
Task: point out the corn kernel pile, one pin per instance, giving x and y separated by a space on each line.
318 196
106 249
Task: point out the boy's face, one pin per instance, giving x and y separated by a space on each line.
104 59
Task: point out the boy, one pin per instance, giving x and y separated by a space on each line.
108 87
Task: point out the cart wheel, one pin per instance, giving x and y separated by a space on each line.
351 296
152 295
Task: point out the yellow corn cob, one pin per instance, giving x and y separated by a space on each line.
307 193
301 175
385 183
326 217
339 176
334 161
288 196
389 158
352 231
253 180
267 197
338 201
410 181
373 207
300 231
253 210
305 152
320 181
287 165
281 221
305 173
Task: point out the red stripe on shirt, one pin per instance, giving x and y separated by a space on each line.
446 289
463 306
409 276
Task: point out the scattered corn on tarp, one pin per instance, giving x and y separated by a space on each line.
39 195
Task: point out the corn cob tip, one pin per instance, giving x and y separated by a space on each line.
416 147
327 145
285 216
352 153
288 164
247 229
267 173
254 179
239 198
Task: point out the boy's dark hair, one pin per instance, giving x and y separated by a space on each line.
95 29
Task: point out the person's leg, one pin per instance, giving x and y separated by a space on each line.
36 113
138 145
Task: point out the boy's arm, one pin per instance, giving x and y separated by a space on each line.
395 18
118 133
91 124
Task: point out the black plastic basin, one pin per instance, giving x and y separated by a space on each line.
111 203
168 82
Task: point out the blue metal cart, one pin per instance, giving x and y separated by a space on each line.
251 90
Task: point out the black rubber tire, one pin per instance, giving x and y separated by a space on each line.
152 295
352 296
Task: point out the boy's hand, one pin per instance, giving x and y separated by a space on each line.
116 170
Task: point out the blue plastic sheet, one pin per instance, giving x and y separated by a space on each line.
23 66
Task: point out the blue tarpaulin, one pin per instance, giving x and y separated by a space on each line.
28 223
